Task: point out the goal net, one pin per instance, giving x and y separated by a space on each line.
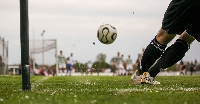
43 52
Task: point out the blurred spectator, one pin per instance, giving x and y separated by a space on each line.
192 67
123 62
137 63
195 62
129 65
182 68
108 70
119 64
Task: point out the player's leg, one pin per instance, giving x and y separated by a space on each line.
155 49
152 52
60 68
70 71
177 18
173 54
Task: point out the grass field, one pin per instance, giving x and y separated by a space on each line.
100 90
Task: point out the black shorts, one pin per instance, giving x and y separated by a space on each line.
183 15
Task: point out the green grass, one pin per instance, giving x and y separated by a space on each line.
99 90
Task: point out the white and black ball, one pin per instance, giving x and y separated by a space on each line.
106 34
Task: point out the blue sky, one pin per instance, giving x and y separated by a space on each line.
74 24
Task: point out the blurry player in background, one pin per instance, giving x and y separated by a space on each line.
192 67
136 77
61 62
182 68
119 64
70 62
182 18
129 64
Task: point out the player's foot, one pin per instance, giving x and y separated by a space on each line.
147 79
136 78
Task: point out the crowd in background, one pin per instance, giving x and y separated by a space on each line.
122 66
192 66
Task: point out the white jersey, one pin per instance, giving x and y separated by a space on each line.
129 61
61 59
70 61
118 60
129 64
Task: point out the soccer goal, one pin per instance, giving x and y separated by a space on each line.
43 52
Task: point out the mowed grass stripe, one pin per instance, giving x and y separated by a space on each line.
100 89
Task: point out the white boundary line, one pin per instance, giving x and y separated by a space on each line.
158 89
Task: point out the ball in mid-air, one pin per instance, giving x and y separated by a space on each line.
106 34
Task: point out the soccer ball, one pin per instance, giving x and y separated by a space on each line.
106 34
